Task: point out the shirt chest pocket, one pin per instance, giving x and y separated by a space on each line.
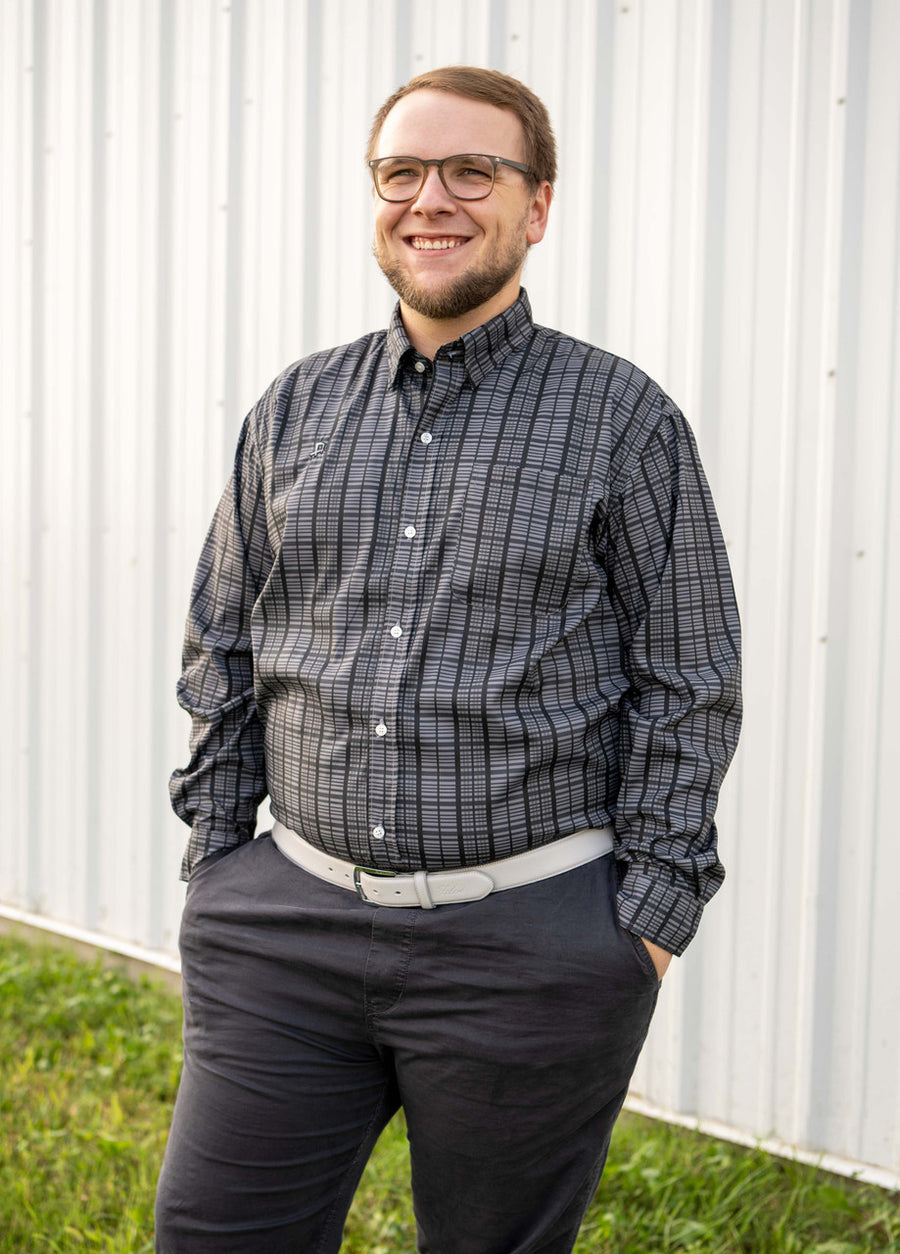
521 540
324 508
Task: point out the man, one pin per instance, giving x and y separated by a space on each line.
465 613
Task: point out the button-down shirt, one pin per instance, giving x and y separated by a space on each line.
451 610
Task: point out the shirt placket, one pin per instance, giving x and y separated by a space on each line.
401 605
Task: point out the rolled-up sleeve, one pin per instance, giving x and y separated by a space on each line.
220 789
671 587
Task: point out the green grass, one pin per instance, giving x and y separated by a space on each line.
88 1069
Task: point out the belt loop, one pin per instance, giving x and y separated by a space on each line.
420 881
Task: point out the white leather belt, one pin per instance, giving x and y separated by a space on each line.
440 888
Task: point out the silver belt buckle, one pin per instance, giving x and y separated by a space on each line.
369 870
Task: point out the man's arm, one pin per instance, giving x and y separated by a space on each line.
219 791
671 588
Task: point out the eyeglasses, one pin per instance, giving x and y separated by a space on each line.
467 176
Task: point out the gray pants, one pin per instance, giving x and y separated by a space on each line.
507 1028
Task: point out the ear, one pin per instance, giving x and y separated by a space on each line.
540 210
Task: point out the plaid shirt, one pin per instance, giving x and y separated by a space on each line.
448 611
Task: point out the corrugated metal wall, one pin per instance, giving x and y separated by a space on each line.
727 215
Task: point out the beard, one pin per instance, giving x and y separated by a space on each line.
459 296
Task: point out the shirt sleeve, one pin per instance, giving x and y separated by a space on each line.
671 588
219 791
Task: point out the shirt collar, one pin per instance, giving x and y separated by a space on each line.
483 349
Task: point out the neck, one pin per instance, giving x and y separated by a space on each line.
427 335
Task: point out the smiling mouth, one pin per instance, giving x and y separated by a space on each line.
424 244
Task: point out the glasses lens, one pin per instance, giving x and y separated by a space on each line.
469 177
399 178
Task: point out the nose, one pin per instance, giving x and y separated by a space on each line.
433 196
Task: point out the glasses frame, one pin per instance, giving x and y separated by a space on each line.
439 162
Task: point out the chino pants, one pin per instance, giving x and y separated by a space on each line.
508 1029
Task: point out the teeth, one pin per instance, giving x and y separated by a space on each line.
432 244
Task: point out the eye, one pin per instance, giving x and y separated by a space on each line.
400 171
472 171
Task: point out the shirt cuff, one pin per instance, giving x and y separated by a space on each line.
653 909
205 841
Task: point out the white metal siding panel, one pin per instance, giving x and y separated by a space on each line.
727 215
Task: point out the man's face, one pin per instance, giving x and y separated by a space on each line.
446 258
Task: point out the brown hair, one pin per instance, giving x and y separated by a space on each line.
493 88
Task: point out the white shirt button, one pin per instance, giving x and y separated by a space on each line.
409 532
426 437
396 631
378 832
380 729
419 367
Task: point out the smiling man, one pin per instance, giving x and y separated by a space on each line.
464 612
454 262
